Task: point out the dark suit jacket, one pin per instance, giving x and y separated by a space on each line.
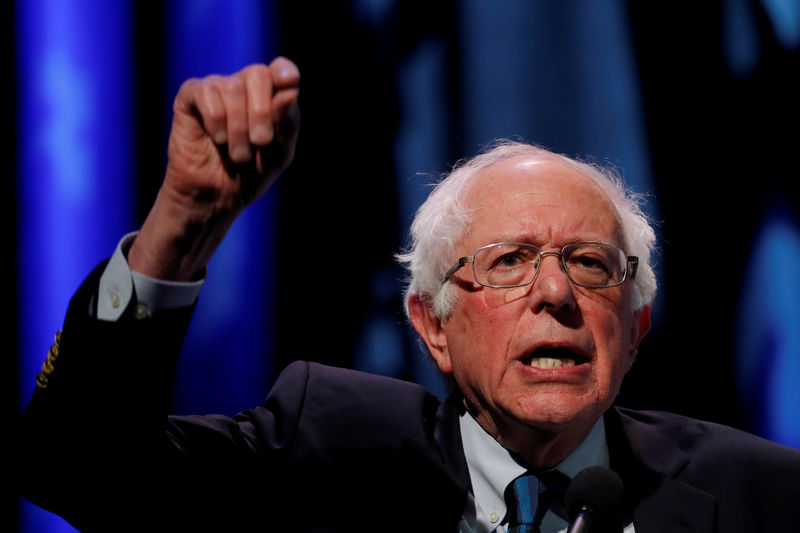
333 450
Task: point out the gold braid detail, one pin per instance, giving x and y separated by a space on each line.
48 366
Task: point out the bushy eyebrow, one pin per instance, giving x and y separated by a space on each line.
528 237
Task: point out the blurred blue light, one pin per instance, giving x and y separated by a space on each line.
559 74
785 17
742 47
224 367
75 166
769 339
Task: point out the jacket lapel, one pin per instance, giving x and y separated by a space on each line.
447 434
437 463
650 466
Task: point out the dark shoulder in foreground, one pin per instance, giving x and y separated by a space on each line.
683 471
711 441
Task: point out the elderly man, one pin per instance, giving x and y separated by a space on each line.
531 287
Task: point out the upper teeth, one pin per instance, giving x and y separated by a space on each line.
550 362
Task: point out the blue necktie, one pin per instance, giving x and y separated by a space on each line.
529 496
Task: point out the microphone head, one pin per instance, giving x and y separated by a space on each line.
597 488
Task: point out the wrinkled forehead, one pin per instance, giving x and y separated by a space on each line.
542 193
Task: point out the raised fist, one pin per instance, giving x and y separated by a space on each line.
231 137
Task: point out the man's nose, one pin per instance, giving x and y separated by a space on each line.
552 290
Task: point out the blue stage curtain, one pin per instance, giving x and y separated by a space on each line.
77 188
768 337
75 179
225 365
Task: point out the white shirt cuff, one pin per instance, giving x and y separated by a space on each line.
118 284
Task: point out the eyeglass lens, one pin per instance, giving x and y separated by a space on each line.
514 264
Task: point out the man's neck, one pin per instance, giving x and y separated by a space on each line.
537 448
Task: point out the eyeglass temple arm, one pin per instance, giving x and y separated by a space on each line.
634 262
461 262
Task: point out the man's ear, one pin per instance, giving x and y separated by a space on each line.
431 329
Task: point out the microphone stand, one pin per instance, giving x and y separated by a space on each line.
582 520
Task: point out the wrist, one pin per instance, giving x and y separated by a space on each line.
178 237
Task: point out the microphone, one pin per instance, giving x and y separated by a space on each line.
593 495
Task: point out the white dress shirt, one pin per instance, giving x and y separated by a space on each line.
492 468
118 284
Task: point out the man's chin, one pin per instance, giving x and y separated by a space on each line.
556 415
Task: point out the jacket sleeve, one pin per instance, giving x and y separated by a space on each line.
100 449
91 433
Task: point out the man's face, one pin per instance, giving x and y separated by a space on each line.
551 355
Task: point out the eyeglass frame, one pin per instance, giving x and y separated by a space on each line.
631 264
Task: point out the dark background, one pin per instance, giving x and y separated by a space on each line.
722 151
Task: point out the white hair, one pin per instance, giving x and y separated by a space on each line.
442 221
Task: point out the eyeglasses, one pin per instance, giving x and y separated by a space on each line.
504 265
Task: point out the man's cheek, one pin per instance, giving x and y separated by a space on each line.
495 298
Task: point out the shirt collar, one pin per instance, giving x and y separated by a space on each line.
492 467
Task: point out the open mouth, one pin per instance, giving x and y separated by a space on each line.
549 357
